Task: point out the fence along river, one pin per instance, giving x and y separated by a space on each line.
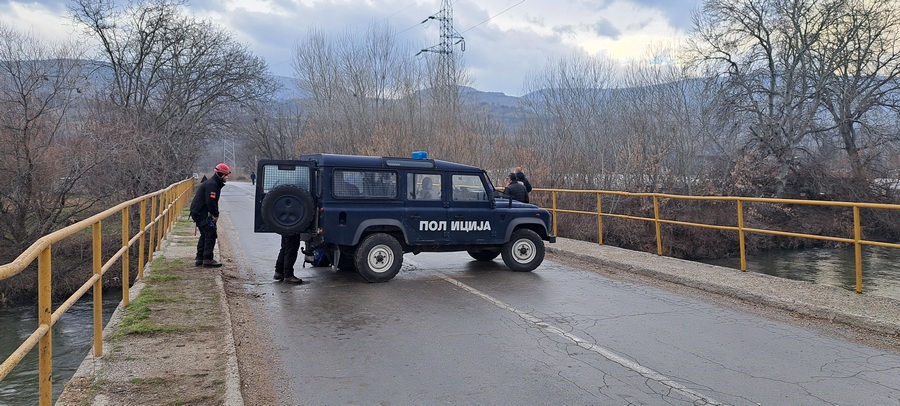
829 266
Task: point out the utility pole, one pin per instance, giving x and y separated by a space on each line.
228 159
445 79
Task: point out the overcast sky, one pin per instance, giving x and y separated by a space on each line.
505 40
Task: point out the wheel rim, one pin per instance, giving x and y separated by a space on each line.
380 258
524 251
287 211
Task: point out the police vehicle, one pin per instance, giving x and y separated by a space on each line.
365 212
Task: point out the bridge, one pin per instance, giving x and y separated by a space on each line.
572 264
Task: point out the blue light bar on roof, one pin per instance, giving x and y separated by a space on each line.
420 155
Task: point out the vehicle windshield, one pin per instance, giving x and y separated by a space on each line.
490 184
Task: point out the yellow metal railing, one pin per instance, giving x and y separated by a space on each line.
165 205
741 229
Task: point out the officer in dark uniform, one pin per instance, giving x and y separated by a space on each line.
205 213
287 257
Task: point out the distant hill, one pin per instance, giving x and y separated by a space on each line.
496 104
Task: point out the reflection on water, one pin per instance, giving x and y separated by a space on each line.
830 266
72 339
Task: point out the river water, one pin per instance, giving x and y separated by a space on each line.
830 266
73 337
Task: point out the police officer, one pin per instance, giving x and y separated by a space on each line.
205 213
287 257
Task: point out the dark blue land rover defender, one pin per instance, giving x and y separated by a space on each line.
364 212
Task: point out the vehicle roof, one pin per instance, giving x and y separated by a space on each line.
336 160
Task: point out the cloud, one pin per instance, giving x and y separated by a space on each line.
505 39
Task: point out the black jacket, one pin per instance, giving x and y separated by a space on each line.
206 200
520 176
516 191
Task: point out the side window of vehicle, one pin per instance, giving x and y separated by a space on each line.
468 188
379 185
364 184
346 184
423 186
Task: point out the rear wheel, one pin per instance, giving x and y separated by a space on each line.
379 257
484 255
524 251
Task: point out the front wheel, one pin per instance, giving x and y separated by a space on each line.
524 251
379 257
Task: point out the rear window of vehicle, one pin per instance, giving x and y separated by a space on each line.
276 175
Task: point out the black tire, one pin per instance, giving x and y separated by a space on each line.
288 209
524 251
379 257
484 255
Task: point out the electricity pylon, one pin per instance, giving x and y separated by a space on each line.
445 78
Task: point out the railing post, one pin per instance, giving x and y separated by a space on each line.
656 220
171 207
97 240
857 235
160 228
126 280
152 243
599 219
45 313
555 214
142 239
740 216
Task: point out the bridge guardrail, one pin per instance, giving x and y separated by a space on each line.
740 228
165 206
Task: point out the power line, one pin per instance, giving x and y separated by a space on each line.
492 17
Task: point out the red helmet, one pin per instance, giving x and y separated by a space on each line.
223 169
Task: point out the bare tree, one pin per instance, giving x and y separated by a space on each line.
763 49
173 81
863 96
364 92
44 163
569 109
272 130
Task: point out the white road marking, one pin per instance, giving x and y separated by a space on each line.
605 352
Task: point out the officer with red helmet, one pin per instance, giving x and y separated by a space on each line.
205 213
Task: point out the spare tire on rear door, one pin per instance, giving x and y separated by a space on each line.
288 209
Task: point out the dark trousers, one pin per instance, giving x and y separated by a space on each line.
287 255
207 241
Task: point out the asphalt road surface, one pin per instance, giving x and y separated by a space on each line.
450 330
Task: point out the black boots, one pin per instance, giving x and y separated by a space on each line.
211 263
288 279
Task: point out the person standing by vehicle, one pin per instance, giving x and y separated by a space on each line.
514 189
205 213
287 257
520 177
252 178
